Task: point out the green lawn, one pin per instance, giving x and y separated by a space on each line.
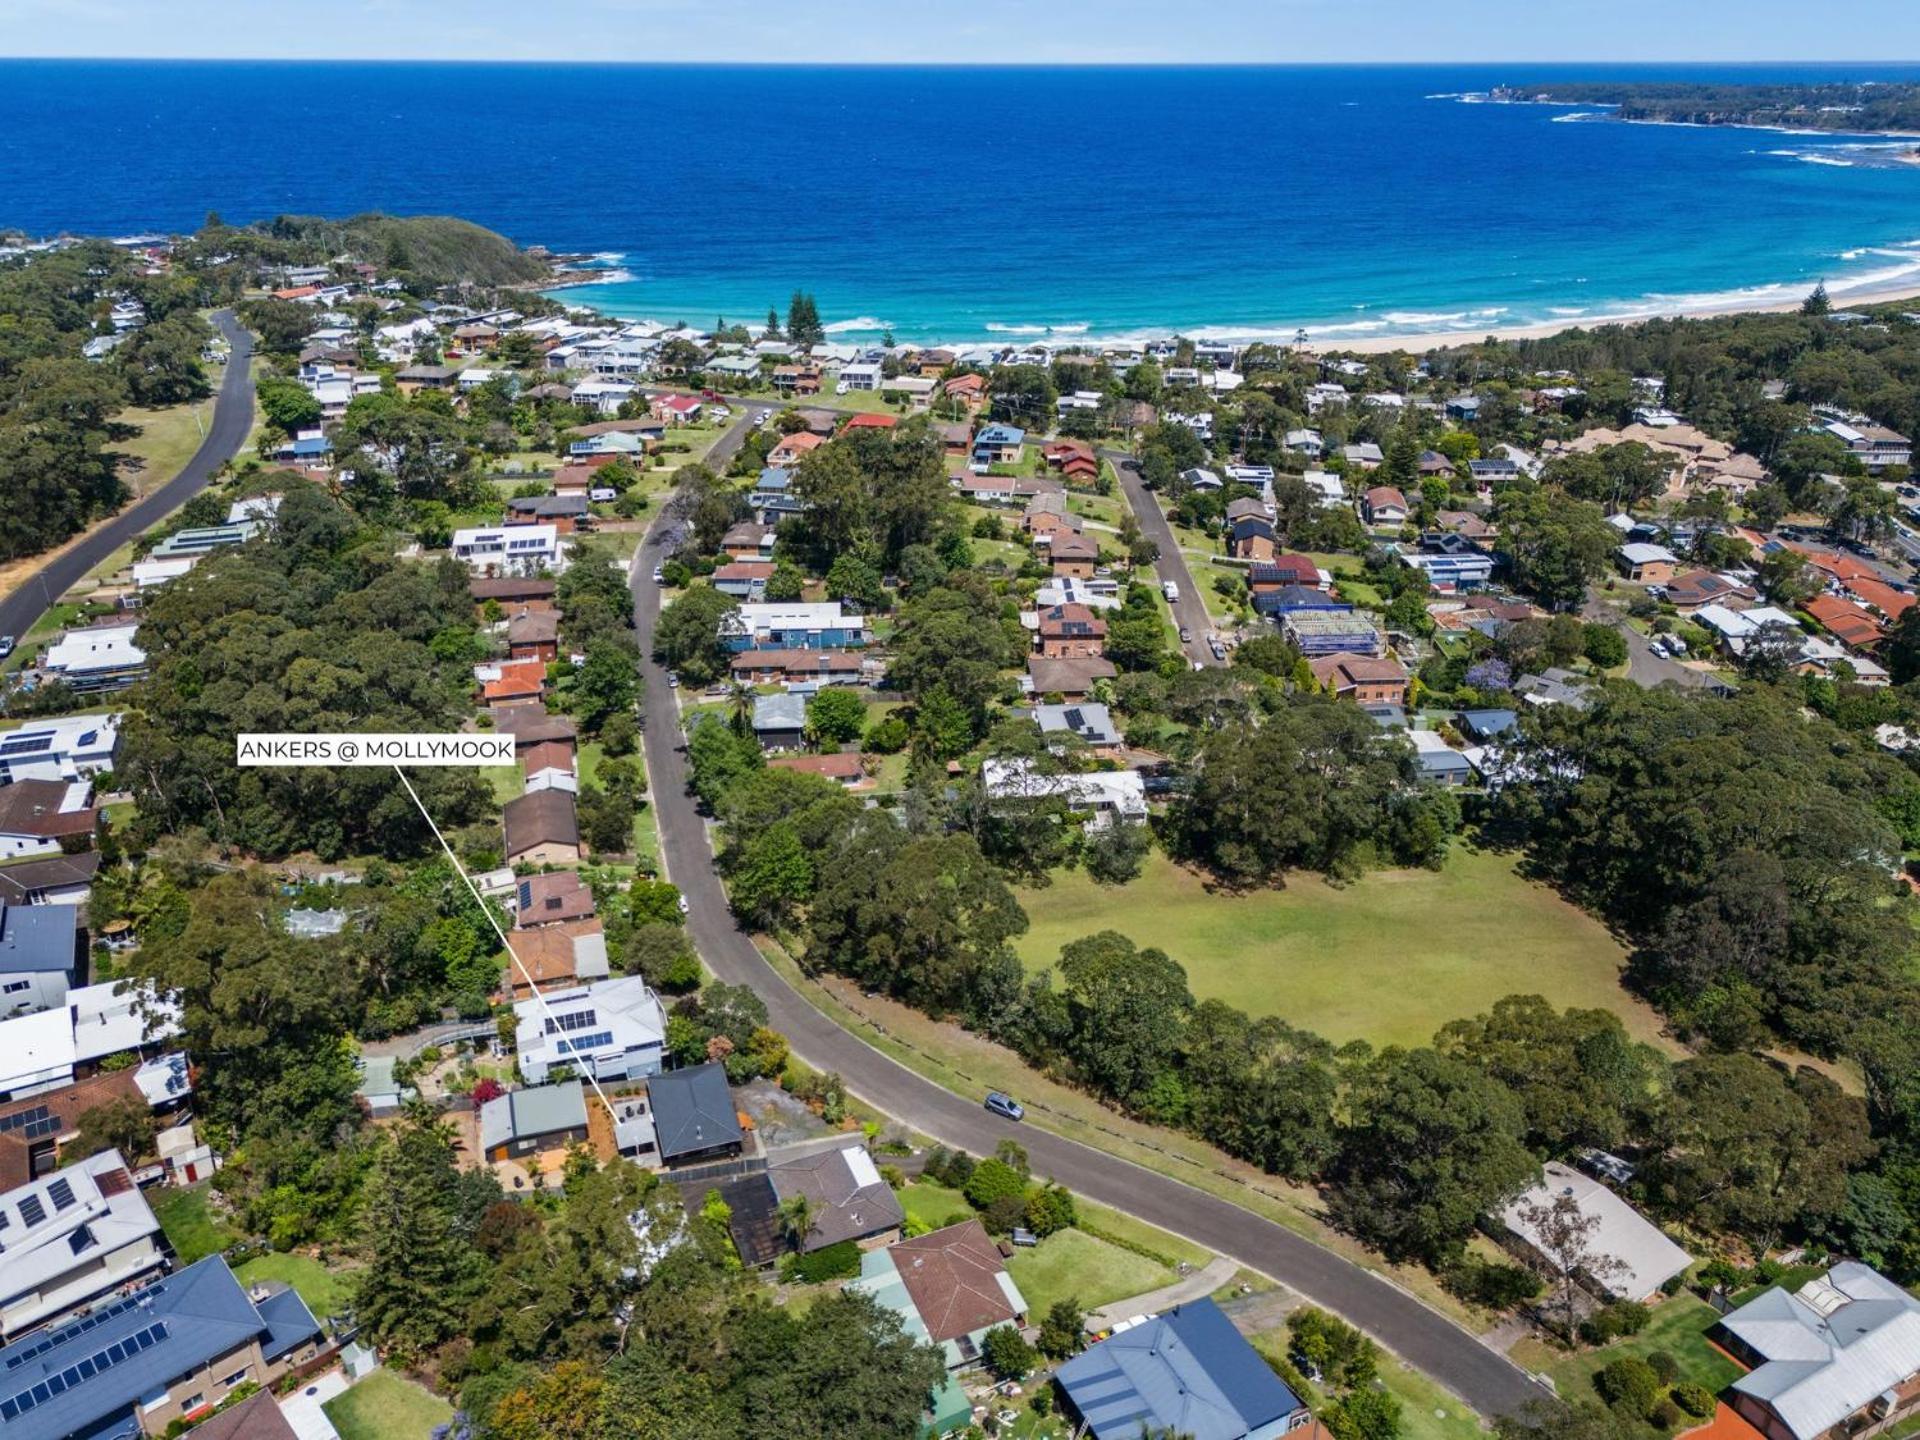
327 1291
1679 1327
1073 1264
1427 1412
191 1227
1387 959
934 1206
386 1406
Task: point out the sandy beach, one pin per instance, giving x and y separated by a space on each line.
1418 344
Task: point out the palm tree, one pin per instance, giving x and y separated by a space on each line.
796 1219
740 698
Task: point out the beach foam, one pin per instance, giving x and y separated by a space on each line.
857 324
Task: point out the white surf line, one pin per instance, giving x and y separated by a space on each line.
546 1010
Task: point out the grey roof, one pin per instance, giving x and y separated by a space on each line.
780 712
19 883
315 924
692 1110
1644 1257
37 939
1091 722
850 1200
537 1110
136 1346
1828 1348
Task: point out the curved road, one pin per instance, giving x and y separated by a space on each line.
232 421
1420 1335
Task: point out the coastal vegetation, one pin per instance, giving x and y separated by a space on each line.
1876 107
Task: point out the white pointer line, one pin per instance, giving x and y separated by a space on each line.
546 1011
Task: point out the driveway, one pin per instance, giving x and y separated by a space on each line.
1217 1272
1188 611
1645 667
302 1409
232 422
1420 1335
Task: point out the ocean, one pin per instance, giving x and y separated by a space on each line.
964 204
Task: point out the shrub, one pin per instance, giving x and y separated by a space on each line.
1006 1212
1603 645
1048 1209
1623 1317
889 737
1720 1275
993 1180
1696 1400
1007 1354
1665 1368
830 1262
1667 1415
1628 1385
1492 1283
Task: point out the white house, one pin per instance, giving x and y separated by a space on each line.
38 953
1112 795
64 749
615 1029
510 549
72 1237
103 658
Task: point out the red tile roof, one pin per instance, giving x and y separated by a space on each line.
953 1277
1846 622
872 422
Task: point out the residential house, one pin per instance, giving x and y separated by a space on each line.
1875 446
1185 1371
1435 466
1201 479
509 549
1283 600
1090 723
796 379
1851 624
1438 762
792 449
39 957
560 955
1111 796
949 1287
1328 490
1452 563
1691 589
1554 686
512 683
1837 1359
512 590
1330 632
956 438
256 1418
1252 538
1364 456
1006 489
675 409
846 768
797 625
749 540
780 721
531 725
613 1030
792 667
539 1122
102 658
63 749
1071 631
46 817
1073 460
1464 408
172 1349
565 513
426 377
56 880
1074 555
1649 564
861 375
1385 505
846 1197
743 579
967 389
1632 1258
1492 470
71 1237
1069 679
1307 442
534 636
542 829
1363 679
998 445
870 422
772 499
1047 515
554 898
694 1115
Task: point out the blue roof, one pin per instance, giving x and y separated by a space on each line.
1185 1372
774 477
35 941
82 1377
1489 722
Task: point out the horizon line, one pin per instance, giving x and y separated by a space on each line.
1473 63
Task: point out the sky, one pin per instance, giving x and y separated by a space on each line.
967 31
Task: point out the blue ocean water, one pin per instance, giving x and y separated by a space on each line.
956 203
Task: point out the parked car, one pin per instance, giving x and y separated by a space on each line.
1006 1105
6 646
659 576
1186 636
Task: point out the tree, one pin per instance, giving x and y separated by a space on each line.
836 716
1023 395
288 405
125 1124
1116 854
1557 546
606 819
606 686
420 1273
1603 645
1007 1354
687 637
1902 651
1564 1236
803 322
1128 1007
1064 1330
161 361
796 1216
1432 1146
1366 1413
1817 303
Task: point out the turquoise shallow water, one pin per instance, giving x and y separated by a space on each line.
972 203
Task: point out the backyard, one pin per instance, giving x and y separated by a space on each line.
186 1216
386 1406
1386 959
1678 1326
328 1290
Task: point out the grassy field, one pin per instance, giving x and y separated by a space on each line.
1678 1326
191 1227
934 1206
327 1291
167 439
386 1406
1071 1264
1426 1411
1387 959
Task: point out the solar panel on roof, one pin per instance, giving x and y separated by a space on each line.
17 1405
31 1210
61 1193
23 1118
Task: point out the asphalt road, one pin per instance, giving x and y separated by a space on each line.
232 421
1188 612
1423 1337
1644 667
